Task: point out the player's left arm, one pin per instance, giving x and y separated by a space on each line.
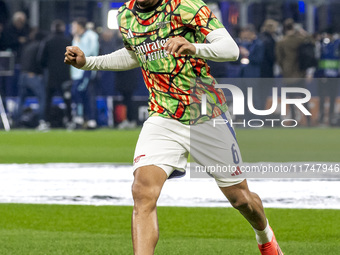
221 46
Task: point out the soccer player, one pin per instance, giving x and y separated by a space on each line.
167 40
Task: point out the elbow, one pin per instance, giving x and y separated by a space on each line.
229 55
233 53
236 54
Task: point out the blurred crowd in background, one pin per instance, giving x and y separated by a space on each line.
68 97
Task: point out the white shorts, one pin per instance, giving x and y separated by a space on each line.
167 143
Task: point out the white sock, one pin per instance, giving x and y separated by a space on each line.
265 235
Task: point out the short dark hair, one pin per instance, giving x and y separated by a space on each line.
58 26
81 21
288 24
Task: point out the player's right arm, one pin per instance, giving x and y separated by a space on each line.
120 60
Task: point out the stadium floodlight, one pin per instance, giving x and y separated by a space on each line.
112 22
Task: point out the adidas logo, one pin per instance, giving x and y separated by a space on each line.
130 34
237 172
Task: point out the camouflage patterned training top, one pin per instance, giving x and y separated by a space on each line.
175 82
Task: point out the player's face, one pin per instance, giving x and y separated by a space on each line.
146 3
74 28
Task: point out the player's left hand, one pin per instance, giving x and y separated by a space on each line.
180 46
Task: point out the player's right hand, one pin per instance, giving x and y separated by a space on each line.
74 56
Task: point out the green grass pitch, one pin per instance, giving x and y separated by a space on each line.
103 145
67 229
72 230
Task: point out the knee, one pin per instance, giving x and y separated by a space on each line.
144 197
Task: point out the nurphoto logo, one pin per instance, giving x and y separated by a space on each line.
239 106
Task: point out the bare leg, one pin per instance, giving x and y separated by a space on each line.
146 189
247 203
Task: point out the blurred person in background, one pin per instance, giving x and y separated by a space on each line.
58 75
328 73
14 36
124 82
4 15
251 58
82 87
107 44
31 77
287 51
267 36
252 52
289 57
